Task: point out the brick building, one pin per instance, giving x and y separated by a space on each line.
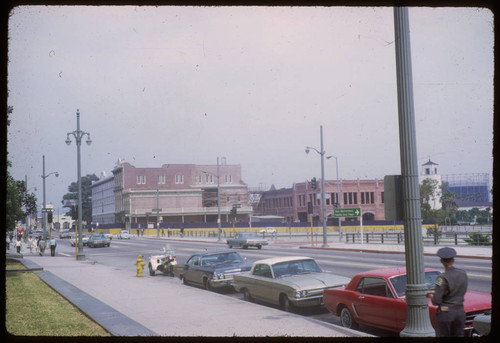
291 203
182 193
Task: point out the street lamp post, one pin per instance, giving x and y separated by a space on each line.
418 322
78 134
338 193
323 204
44 209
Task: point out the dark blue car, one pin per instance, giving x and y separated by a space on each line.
212 269
98 241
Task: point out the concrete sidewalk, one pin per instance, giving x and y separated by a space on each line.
127 305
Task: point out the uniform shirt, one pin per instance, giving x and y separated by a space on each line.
450 288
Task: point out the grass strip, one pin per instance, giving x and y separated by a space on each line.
35 309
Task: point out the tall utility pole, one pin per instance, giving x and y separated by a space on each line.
417 320
79 134
322 152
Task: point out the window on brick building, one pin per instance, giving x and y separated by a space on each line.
141 179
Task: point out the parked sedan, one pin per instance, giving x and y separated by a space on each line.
377 298
212 270
98 240
245 240
293 281
123 234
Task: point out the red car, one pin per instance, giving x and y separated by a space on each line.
377 298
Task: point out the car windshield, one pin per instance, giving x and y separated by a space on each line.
222 258
247 235
295 267
399 282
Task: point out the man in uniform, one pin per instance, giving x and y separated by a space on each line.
449 296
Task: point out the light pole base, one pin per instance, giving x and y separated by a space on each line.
80 256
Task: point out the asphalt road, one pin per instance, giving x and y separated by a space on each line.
123 253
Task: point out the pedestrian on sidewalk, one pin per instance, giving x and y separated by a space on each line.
30 244
449 296
41 246
53 245
18 245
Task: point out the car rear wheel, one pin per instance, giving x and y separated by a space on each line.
346 319
259 246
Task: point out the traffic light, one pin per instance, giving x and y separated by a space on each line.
313 183
49 217
233 211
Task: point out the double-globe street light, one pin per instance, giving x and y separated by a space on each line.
323 204
78 134
44 209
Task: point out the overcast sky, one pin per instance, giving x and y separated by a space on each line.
158 85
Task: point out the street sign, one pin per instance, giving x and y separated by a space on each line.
346 212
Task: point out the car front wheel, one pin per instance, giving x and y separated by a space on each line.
285 303
246 295
207 285
151 270
346 319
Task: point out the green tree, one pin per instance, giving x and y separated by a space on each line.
86 198
18 203
448 198
428 189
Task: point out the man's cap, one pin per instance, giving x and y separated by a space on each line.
446 253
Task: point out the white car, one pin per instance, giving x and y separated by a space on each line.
85 239
123 234
268 229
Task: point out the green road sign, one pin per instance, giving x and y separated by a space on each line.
346 212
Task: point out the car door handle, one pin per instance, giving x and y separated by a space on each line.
361 297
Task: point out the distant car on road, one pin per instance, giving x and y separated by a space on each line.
377 298
123 234
245 240
98 240
107 234
65 234
212 269
85 240
290 282
270 230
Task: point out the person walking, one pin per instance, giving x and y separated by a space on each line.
449 296
41 246
18 245
30 244
53 245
